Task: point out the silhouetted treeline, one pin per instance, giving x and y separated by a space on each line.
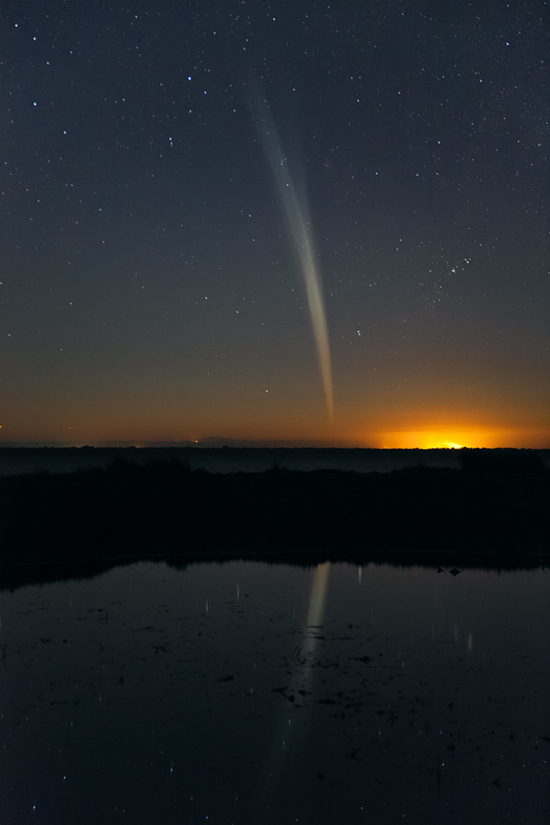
166 509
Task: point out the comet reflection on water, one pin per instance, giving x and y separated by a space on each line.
408 695
302 664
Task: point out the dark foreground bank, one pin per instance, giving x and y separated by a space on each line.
491 510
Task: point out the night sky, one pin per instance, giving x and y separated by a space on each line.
156 250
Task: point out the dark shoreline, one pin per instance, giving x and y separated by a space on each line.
492 513
18 460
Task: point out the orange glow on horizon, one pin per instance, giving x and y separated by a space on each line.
433 439
455 439
374 427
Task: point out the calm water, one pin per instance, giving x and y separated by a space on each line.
248 693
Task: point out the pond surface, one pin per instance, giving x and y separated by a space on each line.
249 693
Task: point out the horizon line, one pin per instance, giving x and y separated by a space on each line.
232 443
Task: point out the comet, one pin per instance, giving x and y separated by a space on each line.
297 212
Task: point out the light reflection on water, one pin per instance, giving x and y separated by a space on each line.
245 693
